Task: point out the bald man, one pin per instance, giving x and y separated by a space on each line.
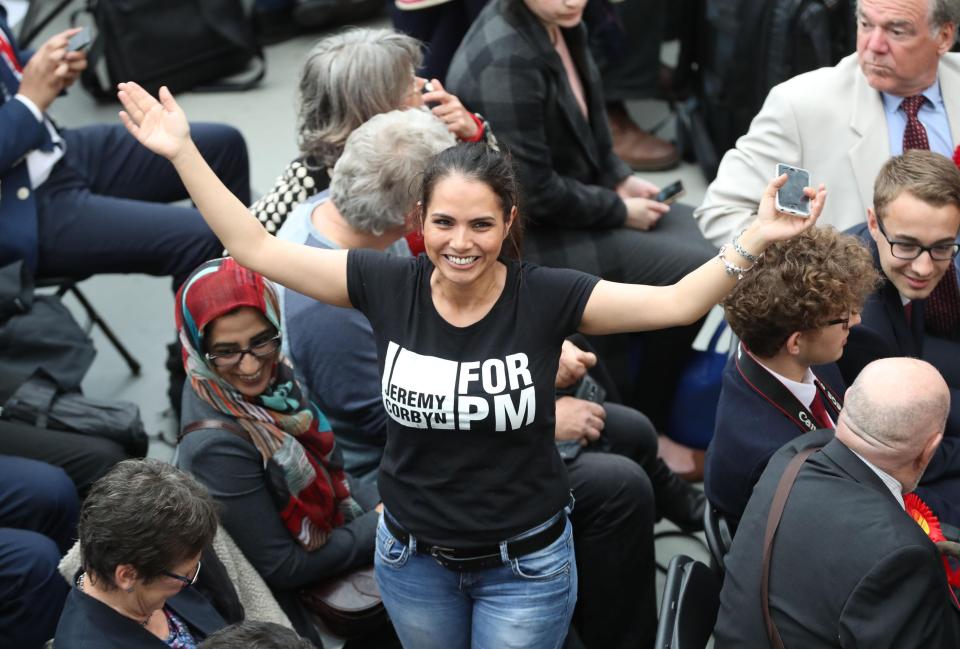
849 567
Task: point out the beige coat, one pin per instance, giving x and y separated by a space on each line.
828 121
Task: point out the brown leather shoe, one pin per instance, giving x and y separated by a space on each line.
641 150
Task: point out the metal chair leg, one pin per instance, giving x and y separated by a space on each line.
95 318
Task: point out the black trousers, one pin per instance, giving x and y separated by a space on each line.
625 42
105 207
84 458
440 28
613 535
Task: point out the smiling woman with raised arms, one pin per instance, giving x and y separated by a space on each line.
474 548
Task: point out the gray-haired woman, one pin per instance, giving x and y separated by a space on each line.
346 79
142 529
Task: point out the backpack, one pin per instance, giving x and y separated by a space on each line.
733 52
44 355
181 44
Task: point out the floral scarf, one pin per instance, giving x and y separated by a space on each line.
293 436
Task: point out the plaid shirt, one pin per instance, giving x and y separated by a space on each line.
507 69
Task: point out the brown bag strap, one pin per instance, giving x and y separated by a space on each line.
212 423
773 522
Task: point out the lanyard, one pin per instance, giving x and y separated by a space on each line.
6 51
777 394
11 72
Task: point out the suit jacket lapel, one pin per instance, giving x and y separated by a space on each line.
867 120
949 87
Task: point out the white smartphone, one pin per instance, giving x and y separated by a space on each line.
790 197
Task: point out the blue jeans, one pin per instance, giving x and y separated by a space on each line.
524 604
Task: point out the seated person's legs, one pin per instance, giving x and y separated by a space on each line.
613 536
38 497
32 592
38 519
103 208
84 458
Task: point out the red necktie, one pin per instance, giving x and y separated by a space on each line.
915 135
819 412
942 312
908 311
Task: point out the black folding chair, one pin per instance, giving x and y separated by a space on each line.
691 599
39 14
66 285
719 531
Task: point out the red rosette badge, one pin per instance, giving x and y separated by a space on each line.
930 524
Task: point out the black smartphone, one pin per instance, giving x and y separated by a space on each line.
670 193
590 390
79 41
428 87
790 197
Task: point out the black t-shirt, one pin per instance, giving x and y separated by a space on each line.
470 457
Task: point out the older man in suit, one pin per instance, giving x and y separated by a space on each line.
901 90
848 566
75 202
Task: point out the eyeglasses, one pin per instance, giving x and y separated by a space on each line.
844 322
909 250
260 350
839 321
187 581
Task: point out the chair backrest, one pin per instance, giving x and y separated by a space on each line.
719 530
691 599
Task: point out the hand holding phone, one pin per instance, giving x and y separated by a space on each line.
670 193
791 198
79 41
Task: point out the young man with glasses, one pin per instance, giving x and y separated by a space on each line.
793 315
912 232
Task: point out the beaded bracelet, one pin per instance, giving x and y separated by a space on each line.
753 259
732 269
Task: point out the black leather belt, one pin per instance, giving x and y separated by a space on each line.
483 557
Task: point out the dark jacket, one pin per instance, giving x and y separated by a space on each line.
748 431
87 623
507 69
20 133
849 567
231 468
884 332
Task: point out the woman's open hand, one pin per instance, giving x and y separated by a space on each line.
772 225
161 126
448 108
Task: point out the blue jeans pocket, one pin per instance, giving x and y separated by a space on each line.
551 562
390 552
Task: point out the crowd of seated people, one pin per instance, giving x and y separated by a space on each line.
441 417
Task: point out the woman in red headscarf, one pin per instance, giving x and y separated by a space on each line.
253 437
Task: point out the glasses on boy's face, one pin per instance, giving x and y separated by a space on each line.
187 581
261 349
910 250
843 322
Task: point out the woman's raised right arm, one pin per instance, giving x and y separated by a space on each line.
162 127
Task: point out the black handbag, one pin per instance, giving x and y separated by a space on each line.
181 44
